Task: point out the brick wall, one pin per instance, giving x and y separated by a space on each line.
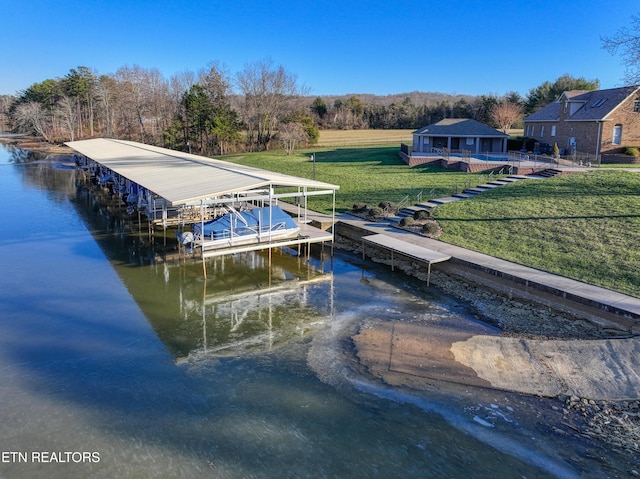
586 132
620 159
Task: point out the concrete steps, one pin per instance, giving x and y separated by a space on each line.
549 173
409 211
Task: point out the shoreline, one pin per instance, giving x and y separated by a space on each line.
612 423
609 423
36 145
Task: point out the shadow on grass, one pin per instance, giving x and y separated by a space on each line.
387 155
535 218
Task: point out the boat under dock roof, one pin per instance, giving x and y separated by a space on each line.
190 182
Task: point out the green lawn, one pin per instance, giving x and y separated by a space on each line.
583 226
365 175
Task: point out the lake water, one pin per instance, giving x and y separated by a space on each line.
114 364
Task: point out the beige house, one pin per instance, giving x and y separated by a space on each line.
599 123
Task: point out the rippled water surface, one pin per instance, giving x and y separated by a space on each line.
156 371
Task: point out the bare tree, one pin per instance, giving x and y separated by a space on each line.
66 110
270 93
141 94
106 98
159 98
31 117
505 114
291 135
5 104
626 41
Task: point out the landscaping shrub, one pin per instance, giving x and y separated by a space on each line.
421 215
375 212
407 221
632 151
389 206
359 207
431 228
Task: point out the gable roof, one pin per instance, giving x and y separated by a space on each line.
180 177
460 127
596 104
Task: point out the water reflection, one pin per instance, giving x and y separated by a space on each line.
261 350
245 303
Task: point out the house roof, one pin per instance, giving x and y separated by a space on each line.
597 105
460 127
181 177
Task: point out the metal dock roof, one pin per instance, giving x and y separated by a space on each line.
180 177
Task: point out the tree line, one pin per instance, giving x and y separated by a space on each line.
212 112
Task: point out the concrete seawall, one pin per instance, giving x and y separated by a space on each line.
509 277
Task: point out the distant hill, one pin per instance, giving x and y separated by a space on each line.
416 97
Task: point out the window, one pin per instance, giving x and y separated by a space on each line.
469 141
541 131
533 130
617 134
636 106
553 130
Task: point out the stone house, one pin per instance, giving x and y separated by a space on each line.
599 123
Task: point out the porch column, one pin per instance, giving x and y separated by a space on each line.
477 144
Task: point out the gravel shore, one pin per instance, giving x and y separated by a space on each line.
615 424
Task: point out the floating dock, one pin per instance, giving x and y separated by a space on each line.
406 249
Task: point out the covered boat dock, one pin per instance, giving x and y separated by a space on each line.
177 189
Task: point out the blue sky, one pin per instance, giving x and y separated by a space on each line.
332 47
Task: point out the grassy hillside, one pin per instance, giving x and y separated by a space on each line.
583 226
365 175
